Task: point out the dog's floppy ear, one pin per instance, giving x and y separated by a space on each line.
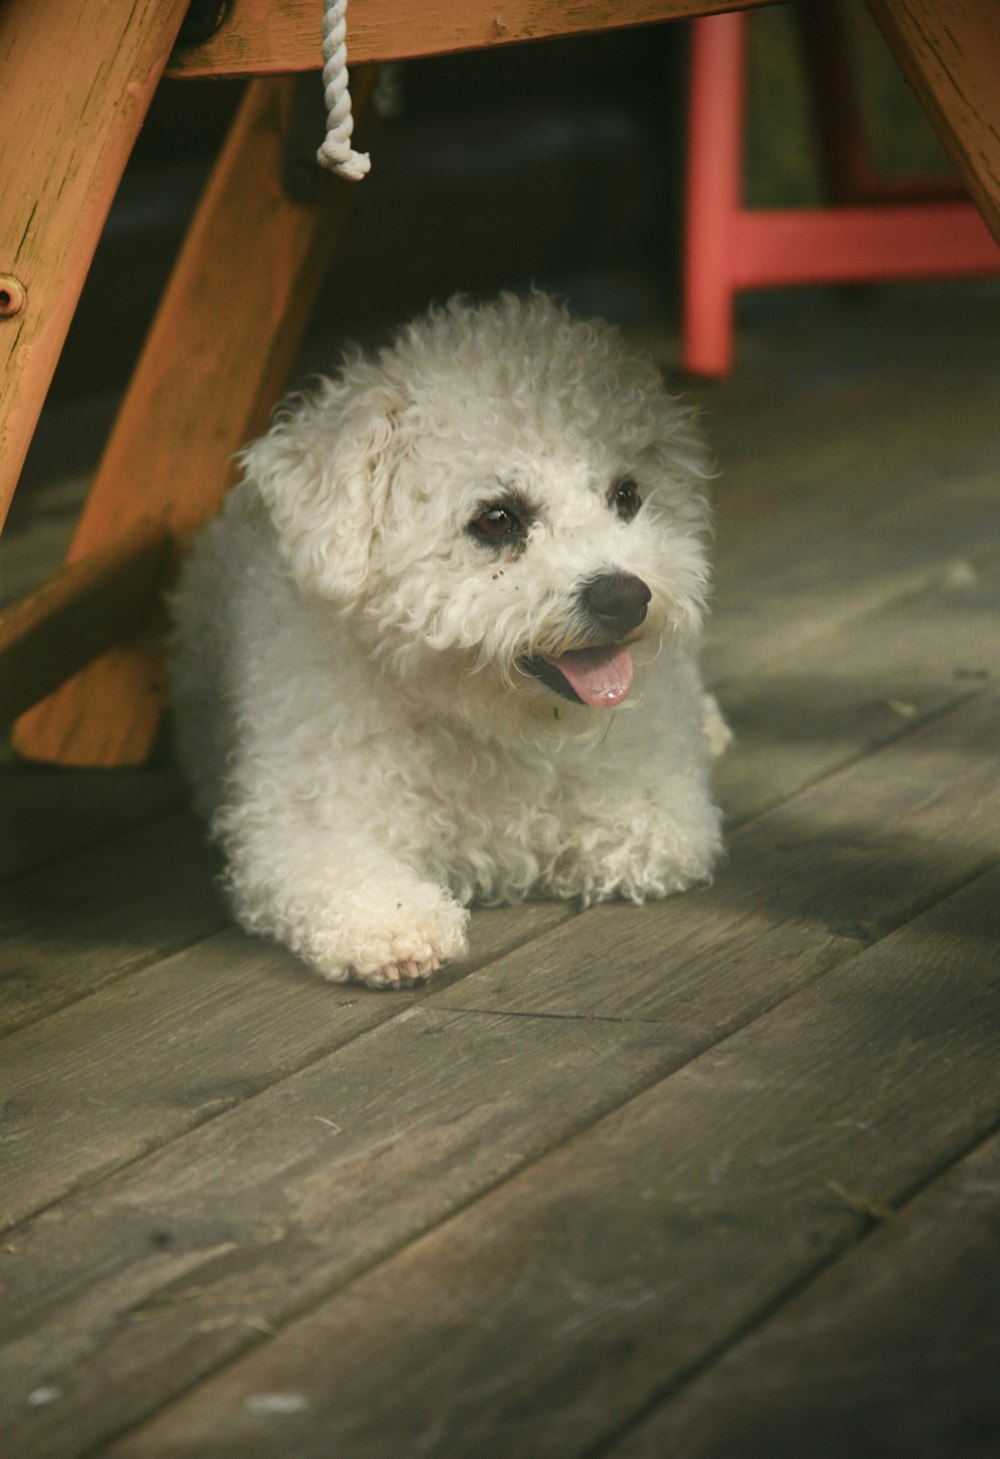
323 471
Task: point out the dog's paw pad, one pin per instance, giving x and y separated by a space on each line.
407 973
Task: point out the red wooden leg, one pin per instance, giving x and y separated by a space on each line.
714 190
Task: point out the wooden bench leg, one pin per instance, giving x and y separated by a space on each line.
77 83
714 190
950 51
730 248
215 361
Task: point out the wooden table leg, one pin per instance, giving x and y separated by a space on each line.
950 51
214 363
77 83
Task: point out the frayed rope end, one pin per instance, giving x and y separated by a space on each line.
350 164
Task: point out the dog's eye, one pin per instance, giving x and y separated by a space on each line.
625 498
497 523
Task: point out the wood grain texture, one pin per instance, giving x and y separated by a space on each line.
212 368
78 81
797 560
101 913
260 38
805 713
414 1119
246 1011
848 1366
651 1240
950 51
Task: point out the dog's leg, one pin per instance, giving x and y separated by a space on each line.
347 907
639 848
718 735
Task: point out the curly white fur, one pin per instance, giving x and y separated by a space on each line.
351 678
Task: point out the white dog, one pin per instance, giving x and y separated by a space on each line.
440 644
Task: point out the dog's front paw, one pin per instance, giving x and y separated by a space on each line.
406 940
361 918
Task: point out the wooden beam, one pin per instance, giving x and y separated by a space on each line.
77 615
781 246
214 363
950 52
77 83
259 37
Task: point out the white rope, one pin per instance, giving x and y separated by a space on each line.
336 151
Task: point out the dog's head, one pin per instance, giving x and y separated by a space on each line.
504 499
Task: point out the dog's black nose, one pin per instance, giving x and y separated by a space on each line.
616 602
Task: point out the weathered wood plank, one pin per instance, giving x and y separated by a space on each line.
800 716
877 374
538 1320
159 1053
67 929
824 723
232 987
119 1307
117 1322
259 38
856 497
895 1351
90 807
788 573
126 1293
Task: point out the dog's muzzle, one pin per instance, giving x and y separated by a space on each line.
613 606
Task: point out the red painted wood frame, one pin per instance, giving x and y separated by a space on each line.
730 248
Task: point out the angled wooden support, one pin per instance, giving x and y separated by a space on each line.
77 83
214 363
77 615
950 52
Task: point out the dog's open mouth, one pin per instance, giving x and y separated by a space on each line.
600 677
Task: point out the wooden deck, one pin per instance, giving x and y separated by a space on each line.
715 1177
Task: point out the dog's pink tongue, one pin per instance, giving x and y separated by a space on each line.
602 677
